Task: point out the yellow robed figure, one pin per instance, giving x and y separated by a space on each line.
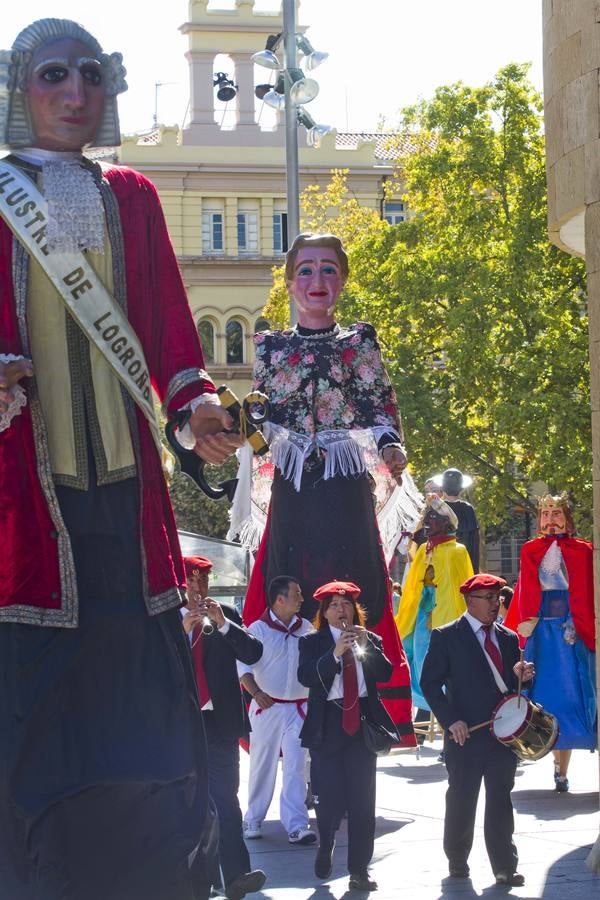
431 595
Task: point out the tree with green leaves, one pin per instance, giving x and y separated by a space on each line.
483 323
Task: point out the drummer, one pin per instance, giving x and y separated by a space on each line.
470 664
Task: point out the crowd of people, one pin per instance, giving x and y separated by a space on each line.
125 689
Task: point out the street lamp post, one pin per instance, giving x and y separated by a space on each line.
291 128
291 90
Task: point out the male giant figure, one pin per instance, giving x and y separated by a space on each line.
102 755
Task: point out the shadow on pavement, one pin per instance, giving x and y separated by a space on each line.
569 877
548 804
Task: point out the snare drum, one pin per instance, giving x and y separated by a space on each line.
524 726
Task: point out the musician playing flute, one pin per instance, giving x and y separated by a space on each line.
470 663
218 640
103 788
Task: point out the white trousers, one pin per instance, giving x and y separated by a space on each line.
275 729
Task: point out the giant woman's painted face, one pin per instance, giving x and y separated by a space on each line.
316 283
66 95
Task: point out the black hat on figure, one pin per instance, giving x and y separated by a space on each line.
452 481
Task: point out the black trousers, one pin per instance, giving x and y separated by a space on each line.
223 787
482 758
346 783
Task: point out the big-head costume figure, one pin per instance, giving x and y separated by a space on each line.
553 607
102 769
431 596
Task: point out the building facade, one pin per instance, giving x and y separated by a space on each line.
572 117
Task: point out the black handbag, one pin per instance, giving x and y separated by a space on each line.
378 739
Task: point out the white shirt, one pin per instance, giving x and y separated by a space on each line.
276 672
336 691
479 629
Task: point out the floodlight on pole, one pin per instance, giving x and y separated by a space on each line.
267 56
301 89
275 96
313 58
314 132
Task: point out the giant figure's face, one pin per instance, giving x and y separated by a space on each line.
66 95
317 282
553 520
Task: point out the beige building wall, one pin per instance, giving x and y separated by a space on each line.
572 116
204 169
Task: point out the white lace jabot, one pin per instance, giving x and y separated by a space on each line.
75 209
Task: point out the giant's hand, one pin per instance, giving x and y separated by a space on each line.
395 460
10 374
209 423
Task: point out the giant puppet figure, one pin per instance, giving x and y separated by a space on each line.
102 755
334 473
553 607
431 596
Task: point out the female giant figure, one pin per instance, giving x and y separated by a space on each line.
336 454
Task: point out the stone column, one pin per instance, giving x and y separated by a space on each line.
592 261
202 104
244 78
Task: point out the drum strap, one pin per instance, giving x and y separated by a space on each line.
500 682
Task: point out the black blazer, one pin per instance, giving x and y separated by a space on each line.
455 661
220 653
318 667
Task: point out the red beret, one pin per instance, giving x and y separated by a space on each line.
337 587
196 564
482 582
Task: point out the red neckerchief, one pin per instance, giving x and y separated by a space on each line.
279 626
527 600
438 539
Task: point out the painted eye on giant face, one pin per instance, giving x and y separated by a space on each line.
54 74
304 271
329 270
92 74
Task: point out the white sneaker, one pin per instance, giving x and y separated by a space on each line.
303 836
252 830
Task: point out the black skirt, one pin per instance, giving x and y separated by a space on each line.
327 530
102 752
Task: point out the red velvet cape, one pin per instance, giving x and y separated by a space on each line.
527 599
31 574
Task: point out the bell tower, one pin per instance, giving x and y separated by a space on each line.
238 33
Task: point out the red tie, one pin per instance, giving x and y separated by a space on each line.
198 657
350 708
491 649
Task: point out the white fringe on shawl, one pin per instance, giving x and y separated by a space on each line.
347 453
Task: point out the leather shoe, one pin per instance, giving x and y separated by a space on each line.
362 882
513 879
323 861
247 883
459 870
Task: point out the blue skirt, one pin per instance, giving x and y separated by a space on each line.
416 645
565 682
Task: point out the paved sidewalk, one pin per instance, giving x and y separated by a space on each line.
554 833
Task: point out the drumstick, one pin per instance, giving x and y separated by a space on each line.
483 724
520 684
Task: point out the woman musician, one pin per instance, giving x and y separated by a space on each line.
341 664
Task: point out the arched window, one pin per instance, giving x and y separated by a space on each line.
261 324
207 339
235 342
